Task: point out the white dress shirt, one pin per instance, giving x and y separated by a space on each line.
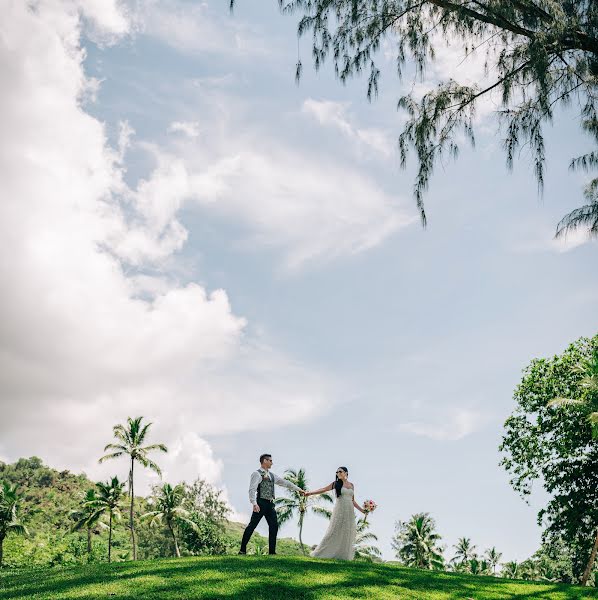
256 478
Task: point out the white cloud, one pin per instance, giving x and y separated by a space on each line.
458 425
311 208
335 114
188 128
86 341
193 28
529 238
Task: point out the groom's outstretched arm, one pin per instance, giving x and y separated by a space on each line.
286 483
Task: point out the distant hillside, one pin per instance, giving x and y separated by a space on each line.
49 498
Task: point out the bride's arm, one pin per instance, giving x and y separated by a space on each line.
357 506
328 488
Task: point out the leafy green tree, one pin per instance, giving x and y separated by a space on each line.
556 448
540 55
9 514
554 561
416 543
168 508
464 551
107 499
130 442
209 512
87 517
364 549
295 504
493 557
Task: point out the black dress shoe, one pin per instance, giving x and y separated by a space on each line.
272 553
242 553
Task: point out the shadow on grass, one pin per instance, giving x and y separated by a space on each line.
260 578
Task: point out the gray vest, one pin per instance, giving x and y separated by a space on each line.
265 489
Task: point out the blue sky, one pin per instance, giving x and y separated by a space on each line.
250 272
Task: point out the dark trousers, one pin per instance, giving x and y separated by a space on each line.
266 510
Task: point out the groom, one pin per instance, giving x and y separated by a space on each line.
261 496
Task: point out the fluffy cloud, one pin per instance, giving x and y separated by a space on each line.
88 335
334 114
311 208
193 28
458 425
188 128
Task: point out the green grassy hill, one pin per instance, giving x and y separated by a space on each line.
268 578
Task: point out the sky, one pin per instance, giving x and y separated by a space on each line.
190 236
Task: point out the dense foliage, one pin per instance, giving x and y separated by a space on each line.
554 446
53 503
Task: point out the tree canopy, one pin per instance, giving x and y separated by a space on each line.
554 446
539 55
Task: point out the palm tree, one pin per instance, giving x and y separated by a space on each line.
510 570
168 509
587 369
416 543
87 517
9 519
130 442
296 503
107 499
475 566
362 548
465 551
493 556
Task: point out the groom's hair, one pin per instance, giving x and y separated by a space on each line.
263 457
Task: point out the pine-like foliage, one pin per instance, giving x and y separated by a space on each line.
539 55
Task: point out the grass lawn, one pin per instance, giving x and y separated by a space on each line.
264 577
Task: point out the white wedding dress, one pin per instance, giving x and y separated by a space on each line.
339 540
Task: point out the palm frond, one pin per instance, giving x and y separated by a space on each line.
146 462
17 528
161 447
564 402
284 516
110 456
320 510
143 433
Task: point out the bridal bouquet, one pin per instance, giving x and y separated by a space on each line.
368 506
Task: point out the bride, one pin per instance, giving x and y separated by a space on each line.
339 540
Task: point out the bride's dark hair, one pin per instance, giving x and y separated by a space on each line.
338 484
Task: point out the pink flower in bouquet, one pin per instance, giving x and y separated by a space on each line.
369 506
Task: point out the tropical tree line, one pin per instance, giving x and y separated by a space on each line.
190 514
417 544
551 438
